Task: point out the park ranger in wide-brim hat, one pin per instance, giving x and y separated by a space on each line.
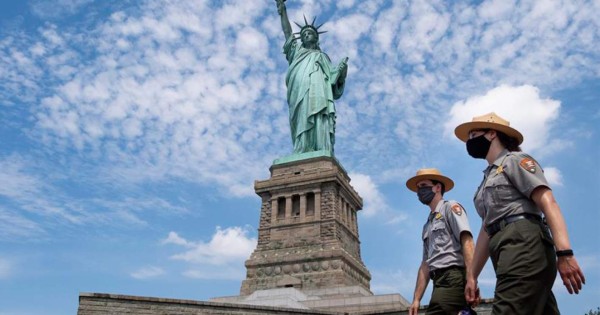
447 245
514 200
487 121
431 174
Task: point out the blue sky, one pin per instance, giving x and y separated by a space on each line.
131 133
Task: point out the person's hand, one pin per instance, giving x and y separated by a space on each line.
472 292
414 308
570 273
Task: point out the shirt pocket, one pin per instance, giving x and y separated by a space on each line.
438 233
499 190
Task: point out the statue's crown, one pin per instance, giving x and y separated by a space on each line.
310 26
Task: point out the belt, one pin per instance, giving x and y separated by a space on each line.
434 274
494 228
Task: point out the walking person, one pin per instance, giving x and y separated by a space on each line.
511 200
447 245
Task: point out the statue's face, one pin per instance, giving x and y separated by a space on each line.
309 36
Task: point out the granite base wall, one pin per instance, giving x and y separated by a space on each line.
113 304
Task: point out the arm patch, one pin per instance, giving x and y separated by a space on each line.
529 165
457 209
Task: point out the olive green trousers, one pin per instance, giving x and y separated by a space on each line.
525 263
448 296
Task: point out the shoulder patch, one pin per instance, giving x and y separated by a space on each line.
528 164
457 209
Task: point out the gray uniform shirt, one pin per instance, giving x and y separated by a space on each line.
441 235
507 186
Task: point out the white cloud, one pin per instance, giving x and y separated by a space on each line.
133 210
554 176
173 238
425 27
347 31
220 258
226 246
252 43
374 201
38 205
180 90
386 26
345 3
496 10
182 108
15 225
147 272
522 106
216 273
26 191
398 218
195 92
51 9
16 182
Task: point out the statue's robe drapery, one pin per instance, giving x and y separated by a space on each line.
312 86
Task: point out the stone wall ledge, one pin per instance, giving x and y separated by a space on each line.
111 301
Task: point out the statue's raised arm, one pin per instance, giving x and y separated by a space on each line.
313 83
285 22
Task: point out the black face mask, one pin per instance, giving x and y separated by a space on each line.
478 147
425 194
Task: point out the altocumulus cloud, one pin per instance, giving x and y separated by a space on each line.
185 108
194 90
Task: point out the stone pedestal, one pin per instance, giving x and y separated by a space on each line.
308 232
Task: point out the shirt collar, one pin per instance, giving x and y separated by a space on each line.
439 205
500 157
498 160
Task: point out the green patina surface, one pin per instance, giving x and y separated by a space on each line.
313 83
302 156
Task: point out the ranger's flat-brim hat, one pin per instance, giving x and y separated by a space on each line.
487 121
431 174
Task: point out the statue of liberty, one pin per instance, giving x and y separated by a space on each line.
313 83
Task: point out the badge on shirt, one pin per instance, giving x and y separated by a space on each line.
500 169
457 209
438 216
528 164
